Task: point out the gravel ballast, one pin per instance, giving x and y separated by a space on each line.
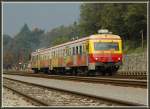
11 99
53 97
131 94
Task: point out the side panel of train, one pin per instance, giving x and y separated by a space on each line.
67 57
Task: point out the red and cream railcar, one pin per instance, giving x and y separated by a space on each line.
96 53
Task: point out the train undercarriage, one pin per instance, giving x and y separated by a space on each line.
109 69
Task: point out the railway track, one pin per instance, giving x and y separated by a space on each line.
44 101
100 79
120 74
28 98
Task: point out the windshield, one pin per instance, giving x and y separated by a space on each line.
106 46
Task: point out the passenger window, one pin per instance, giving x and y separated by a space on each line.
73 50
70 51
76 49
87 47
64 53
80 49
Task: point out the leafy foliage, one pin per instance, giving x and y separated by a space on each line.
127 20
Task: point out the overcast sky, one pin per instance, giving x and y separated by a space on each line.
42 15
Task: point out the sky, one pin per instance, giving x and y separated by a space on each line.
45 16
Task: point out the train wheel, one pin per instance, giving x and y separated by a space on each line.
103 72
35 71
46 71
91 73
87 73
74 72
49 72
110 73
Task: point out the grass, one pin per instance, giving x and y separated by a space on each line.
138 50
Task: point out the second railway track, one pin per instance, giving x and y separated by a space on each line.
46 101
103 80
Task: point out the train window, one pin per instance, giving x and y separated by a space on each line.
80 49
87 47
40 57
64 52
69 51
73 50
58 53
54 53
61 52
83 48
76 49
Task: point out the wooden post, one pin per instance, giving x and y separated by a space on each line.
142 39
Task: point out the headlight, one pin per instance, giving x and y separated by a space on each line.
119 58
96 58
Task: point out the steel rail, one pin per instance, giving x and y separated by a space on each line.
110 80
31 99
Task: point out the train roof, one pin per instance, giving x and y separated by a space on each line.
109 36
95 36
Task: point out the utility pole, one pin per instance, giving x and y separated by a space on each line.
142 37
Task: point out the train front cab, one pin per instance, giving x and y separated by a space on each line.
105 54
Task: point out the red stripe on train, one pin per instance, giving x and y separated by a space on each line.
115 57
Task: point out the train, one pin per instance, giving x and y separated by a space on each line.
96 53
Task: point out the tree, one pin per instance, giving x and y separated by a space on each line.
90 18
8 59
136 20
